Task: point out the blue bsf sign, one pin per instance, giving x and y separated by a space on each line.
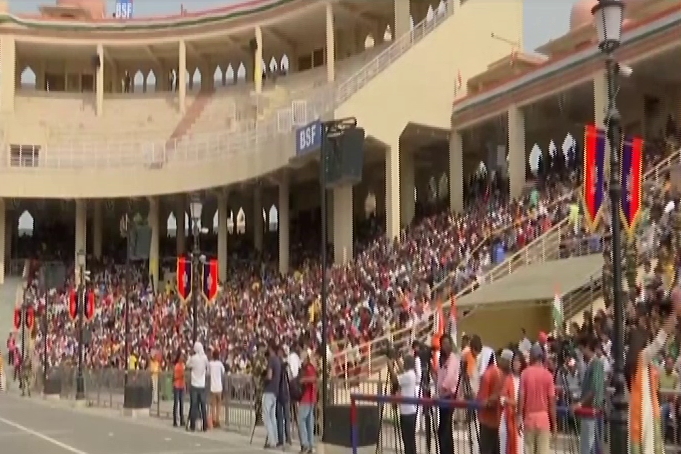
124 9
309 138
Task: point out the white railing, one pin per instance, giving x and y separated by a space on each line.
248 138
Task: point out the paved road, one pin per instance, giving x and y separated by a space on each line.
33 426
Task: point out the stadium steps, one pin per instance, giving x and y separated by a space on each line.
544 248
191 115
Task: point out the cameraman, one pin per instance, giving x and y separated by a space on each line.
404 383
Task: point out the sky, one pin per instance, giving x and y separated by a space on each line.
544 19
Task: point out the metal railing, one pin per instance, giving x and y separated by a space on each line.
247 138
546 247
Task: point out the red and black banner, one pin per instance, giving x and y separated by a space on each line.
17 318
593 190
73 304
90 305
210 280
184 278
30 318
632 183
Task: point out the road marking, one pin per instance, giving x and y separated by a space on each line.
19 433
43 437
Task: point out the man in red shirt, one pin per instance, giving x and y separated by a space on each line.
489 414
537 404
308 382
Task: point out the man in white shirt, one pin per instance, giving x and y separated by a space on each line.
217 372
293 361
407 384
198 364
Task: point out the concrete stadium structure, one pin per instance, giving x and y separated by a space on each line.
81 140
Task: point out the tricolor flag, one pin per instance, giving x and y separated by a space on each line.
632 179
184 278
593 190
557 312
210 280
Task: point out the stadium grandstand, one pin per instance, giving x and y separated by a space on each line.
471 161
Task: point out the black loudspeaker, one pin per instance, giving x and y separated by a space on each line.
137 396
96 62
253 44
338 425
52 386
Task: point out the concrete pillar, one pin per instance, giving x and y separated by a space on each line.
223 247
392 191
456 172
407 203
516 151
3 240
258 221
155 226
182 76
342 224
284 224
81 234
402 18
181 238
257 66
330 45
99 84
97 229
8 68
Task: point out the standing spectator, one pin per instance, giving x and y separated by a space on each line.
447 378
217 372
308 401
489 414
537 406
406 385
198 364
592 395
284 404
154 370
178 390
293 361
510 437
269 395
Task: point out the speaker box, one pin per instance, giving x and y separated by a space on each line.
52 386
253 44
338 425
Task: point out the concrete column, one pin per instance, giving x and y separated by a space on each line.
8 68
392 191
258 221
456 172
342 224
155 226
407 203
330 45
181 239
284 224
402 18
516 151
81 234
97 229
182 77
99 84
257 66
223 247
3 240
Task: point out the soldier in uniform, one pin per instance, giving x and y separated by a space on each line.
631 263
258 370
25 375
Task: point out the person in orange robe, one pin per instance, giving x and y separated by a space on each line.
510 437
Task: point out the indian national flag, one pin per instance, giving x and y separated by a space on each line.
557 311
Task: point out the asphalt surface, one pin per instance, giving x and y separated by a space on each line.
35 426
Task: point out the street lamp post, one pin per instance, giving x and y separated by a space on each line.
608 18
195 209
80 380
126 229
24 317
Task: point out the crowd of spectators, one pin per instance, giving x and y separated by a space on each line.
387 286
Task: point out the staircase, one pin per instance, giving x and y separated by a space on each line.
542 249
191 115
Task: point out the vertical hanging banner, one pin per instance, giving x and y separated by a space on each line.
184 278
632 179
210 280
593 189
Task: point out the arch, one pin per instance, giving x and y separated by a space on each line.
26 224
441 8
171 225
443 186
138 81
284 64
432 189
216 221
241 75
196 78
230 222
28 79
369 41
534 158
430 15
552 148
274 65
151 81
411 22
218 75
241 221
416 194
387 34
273 219
482 169
370 204
569 145
230 75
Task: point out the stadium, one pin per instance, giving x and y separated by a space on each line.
471 166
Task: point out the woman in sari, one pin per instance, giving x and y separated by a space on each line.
645 426
510 437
